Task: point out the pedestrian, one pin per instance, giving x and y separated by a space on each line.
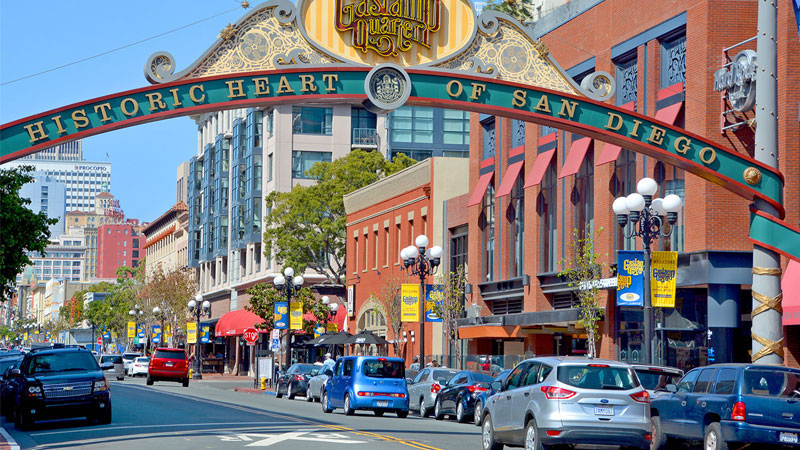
318 362
329 362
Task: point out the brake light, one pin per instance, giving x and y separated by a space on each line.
382 394
739 412
475 388
298 377
641 397
381 359
435 388
648 436
557 393
553 433
598 365
656 369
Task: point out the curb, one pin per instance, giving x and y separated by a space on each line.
251 390
6 441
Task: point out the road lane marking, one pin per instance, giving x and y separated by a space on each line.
12 444
84 430
267 440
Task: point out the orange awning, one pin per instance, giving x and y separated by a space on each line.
511 177
577 152
480 189
488 331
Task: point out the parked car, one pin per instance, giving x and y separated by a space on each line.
459 394
730 403
427 384
317 382
168 364
139 366
480 401
411 374
568 400
128 358
59 383
368 383
119 369
294 381
656 378
7 364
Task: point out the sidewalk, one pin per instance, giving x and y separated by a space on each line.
237 383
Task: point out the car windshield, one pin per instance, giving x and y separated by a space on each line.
170 354
597 376
305 368
772 382
443 376
654 380
142 360
382 368
130 356
6 363
62 362
113 359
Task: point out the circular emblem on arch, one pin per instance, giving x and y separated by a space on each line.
752 176
388 87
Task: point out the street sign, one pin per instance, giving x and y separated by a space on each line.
276 334
275 345
250 335
100 340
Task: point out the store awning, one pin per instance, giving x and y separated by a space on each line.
790 285
338 319
610 151
480 189
488 331
235 322
577 152
539 168
669 103
510 178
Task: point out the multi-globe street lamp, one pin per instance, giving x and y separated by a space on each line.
160 316
136 315
198 308
647 216
422 263
289 285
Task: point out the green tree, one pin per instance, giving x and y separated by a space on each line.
305 227
583 273
170 291
450 306
390 304
262 303
21 230
521 10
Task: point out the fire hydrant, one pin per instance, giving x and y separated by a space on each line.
263 383
191 371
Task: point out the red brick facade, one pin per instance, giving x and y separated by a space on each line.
118 245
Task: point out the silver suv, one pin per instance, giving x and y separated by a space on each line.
567 400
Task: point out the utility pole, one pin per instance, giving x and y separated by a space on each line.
767 329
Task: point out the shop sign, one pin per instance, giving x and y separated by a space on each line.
663 280
409 293
296 315
434 295
630 278
738 79
191 333
281 315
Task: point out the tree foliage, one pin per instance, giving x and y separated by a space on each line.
170 292
111 313
21 230
390 304
305 227
583 272
263 297
520 10
451 306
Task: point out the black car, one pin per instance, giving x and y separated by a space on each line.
295 380
56 383
7 364
459 394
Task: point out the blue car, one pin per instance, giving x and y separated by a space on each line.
369 383
731 404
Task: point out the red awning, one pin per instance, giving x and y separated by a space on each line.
670 113
511 177
338 320
235 322
480 189
610 151
575 157
539 168
790 285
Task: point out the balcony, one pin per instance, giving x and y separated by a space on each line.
364 138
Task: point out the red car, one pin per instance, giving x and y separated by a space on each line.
168 364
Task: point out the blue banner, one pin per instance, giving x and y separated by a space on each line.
434 294
281 315
205 334
630 278
156 334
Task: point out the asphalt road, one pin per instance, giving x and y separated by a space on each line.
211 415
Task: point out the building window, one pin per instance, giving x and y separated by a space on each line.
673 184
386 246
487 226
624 183
253 128
269 167
455 127
488 138
516 214
356 254
583 196
135 253
411 125
458 248
306 120
270 123
256 214
627 72
416 155
361 118
302 161
673 60
546 206
375 247
517 133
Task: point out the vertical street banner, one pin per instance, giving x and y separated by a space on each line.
205 334
296 315
630 278
434 294
156 334
319 330
191 333
351 301
332 328
663 282
281 317
409 294
131 330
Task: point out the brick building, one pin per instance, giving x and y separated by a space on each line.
118 245
530 186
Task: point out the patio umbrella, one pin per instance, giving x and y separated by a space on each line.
367 338
331 338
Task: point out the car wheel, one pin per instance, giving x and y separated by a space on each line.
478 412
104 416
120 378
461 416
348 410
149 381
423 408
402 414
278 390
185 382
488 440
532 441
309 397
326 407
658 439
21 420
378 413
289 393
713 439
437 410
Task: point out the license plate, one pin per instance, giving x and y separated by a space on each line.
169 364
382 403
788 437
603 410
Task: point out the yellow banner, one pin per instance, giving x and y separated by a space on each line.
331 328
191 333
25 336
169 331
663 270
131 330
296 315
409 293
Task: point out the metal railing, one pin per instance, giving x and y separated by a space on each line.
364 137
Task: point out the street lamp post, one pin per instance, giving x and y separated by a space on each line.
136 314
289 286
647 216
198 311
422 263
159 315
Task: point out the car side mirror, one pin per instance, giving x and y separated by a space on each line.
497 385
106 366
329 373
14 373
671 388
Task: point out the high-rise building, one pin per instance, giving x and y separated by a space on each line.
181 183
68 151
49 196
118 245
106 210
83 179
63 258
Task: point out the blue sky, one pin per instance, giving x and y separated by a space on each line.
45 34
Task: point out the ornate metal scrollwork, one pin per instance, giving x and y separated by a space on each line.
481 68
295 56
598 86
160 68
488 22
285 12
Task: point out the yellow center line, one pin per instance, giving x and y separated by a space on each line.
382 436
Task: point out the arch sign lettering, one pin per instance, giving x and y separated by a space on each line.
387 53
